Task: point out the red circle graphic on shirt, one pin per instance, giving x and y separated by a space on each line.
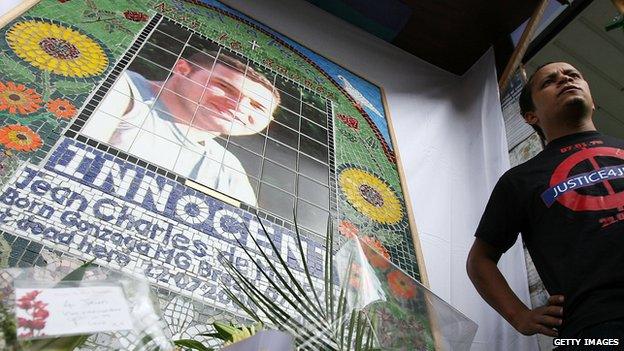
576 201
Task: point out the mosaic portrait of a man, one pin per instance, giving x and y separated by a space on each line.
176 122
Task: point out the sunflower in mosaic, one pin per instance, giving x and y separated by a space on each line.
57 49
19 137
18 99
370 195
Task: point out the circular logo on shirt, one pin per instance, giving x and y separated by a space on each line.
563 185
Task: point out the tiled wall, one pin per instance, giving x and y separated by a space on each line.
84 188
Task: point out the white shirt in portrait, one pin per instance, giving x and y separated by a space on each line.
130 119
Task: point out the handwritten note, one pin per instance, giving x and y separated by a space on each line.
51 312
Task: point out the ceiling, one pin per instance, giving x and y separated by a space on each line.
451 34
599 55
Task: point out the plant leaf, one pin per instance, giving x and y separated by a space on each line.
304 262
225 331
256 295
143 344
277 315
359 333
67 343
315 326
303 301
287 269
351 328
68 87
78 273
329 278
16 71
192 344
211 335
240 304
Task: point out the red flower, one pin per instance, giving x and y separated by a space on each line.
26 302
31 295
37 324
30 333
355 276
348 229
41 314
401 285
136 16
40 305
351 122
31 324
22 322
36 310
376 253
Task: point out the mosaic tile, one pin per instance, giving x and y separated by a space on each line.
61 60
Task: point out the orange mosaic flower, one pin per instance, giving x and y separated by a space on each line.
355 276
376 253
61 108
401 285
16 98
348 229
19 137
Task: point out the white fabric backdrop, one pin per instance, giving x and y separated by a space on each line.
6 5
452 161
451 139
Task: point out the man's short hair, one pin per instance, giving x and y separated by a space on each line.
526 100
205 59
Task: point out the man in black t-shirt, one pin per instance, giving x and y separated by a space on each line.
568 204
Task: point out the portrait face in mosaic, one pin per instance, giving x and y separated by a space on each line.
217 97
180 116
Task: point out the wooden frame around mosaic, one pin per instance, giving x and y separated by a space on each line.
17 11
27 4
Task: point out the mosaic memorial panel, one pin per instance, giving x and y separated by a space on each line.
149 134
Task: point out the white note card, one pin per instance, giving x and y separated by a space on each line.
49 312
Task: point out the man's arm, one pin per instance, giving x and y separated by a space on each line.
492 286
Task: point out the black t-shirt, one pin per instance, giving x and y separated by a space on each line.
568 203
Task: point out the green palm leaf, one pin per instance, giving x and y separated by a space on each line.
315 323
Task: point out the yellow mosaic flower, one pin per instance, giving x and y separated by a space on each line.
370 195
56 48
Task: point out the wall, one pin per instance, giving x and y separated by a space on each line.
450 142
431 103
6 5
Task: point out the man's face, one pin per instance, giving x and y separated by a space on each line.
559 91
229 103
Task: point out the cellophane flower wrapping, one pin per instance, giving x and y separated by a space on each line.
403 314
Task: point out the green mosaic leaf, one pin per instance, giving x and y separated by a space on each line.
68 87
16 71
192 344
78 273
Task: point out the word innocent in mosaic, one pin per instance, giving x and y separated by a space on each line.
90 204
